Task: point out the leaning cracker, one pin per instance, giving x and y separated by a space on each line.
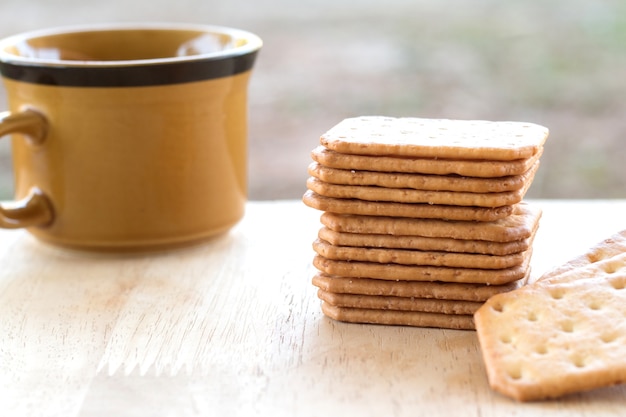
417 289
552 338
399 318
613 245
376 302
423 243
520 224
422 181
410 195
470 168
416 257
611 265
435 138
377 208
422 273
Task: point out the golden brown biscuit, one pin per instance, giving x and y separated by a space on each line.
423 243
399 318
390 209
422 181
471 168
417 289
378 302
417 257
556 337
397 272
520 224
412 196
608 248
435 138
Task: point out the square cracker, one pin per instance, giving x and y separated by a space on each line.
422 181
423 243
397 272
417 289
378 302
589 271
417 257
411 195
520 224
398 318
392 209
607 248
435 138
557 337
470 168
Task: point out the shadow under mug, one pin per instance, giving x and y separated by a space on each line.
127 136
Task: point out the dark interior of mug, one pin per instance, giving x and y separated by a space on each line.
123 45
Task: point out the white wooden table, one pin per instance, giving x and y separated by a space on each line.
234 328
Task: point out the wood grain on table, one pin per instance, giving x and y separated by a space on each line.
234 327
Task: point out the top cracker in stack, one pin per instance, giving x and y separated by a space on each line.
383 171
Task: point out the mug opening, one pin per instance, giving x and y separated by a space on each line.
128 55
121 45
127 44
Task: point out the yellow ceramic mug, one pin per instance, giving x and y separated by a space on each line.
127 136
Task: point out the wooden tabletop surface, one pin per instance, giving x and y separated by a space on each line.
233 327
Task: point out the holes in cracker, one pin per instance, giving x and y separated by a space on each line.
595 257
532 316
594 304
557 293
497 307
609 337
600 254
611 267
567 326
541 349
618 282
579 361
514 372
506 338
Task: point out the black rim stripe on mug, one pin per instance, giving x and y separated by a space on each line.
131 75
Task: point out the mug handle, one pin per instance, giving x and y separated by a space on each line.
35 209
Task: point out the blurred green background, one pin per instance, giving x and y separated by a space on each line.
559 63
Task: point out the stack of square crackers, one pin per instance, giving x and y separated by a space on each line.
423 219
